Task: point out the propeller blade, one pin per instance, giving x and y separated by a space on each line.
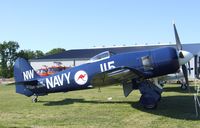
185 73
178 42
189 68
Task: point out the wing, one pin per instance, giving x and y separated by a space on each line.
118 75
121 75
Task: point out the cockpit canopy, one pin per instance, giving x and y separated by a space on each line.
101 56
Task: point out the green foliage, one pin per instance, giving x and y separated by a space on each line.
38 54
8 54
28 54
55 51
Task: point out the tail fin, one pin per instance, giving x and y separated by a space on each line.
23 74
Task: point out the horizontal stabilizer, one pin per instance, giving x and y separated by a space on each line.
21 89
32 82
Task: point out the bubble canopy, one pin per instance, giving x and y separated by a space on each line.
101 56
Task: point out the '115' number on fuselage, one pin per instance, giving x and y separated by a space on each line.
107 66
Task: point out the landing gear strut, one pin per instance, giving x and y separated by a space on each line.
35 98
151 94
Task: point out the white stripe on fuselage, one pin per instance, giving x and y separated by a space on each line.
57 80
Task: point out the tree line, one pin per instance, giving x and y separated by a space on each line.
9 52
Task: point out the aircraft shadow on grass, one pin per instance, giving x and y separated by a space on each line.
178 107
175 88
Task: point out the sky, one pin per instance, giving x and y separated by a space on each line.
77 24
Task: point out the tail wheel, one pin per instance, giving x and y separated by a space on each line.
35 99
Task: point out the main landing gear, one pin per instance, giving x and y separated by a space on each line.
151 94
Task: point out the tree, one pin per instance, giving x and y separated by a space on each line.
26 54
55 51
3 63
12 52
8 54
38 53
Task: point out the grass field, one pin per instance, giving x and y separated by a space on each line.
92 109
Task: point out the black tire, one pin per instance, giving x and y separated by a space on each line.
34 100
147 103
150 106
183 86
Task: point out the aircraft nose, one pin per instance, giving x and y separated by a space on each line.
184 57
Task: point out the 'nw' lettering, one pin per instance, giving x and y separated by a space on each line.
28 75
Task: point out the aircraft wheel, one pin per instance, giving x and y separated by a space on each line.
150 106
183 86
148 102
35 99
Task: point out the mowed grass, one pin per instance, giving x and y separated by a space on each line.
92 109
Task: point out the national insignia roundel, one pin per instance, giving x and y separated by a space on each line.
81 77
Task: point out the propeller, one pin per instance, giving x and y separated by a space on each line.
184 56
185 74
189 68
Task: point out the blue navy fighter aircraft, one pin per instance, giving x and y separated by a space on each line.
133 70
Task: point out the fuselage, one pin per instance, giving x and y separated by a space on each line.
151 63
